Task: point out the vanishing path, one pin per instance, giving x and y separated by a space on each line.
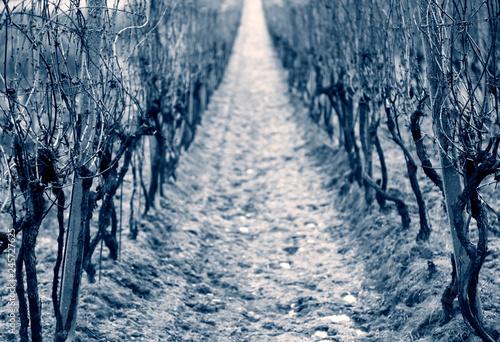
271 271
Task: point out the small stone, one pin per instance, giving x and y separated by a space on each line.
321 334
349 298
285 265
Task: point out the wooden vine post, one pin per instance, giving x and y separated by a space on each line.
84 135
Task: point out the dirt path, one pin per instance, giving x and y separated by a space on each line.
270 269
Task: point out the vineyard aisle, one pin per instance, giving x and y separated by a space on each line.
269 268
249 256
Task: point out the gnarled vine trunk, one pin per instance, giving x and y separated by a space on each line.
443 121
